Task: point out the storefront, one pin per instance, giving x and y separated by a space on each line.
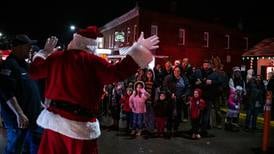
261 57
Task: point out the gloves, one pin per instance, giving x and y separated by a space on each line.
48 48
140 51
150 43
50 44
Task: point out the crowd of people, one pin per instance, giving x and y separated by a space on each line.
158 101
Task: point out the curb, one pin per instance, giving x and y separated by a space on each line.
260 120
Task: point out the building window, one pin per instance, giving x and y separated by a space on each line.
119 36
154 30
134 32
182 34
227 41
206 39
246 43
100 42
128 35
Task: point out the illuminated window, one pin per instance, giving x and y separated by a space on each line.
119 36
100 41
227 46
154 30
181 36
206 39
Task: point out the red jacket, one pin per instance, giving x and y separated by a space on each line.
78 77
125 102
196 106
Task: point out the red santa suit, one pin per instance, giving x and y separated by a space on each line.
74 81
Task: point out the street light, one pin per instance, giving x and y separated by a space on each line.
72 27
1 34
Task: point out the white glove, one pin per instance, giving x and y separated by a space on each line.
50 44
150 43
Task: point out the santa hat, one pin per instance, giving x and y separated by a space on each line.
85 39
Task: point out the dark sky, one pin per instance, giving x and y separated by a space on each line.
44 18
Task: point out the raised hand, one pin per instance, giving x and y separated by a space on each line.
50 44
150 43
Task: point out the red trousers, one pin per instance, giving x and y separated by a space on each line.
55 143
160 123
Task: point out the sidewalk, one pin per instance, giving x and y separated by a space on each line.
260 119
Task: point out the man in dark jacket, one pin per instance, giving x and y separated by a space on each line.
209 81
21 103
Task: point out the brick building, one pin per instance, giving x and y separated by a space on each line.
179 37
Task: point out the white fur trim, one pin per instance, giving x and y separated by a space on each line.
82 43
141 55
42 54
74 129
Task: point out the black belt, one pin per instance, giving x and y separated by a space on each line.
72 108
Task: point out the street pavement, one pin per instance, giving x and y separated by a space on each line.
218 142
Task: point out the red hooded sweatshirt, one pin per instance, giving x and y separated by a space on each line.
196 105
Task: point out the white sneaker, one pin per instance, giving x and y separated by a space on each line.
198 136
138 133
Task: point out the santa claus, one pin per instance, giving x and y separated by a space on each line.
74 82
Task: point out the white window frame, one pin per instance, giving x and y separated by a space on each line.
246 43
182 36
154 30
227 36
206 39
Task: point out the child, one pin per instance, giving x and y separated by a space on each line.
233 109
149 115
137 104
197 105
160 110
126 108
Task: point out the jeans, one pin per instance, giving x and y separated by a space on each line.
23 140
138 120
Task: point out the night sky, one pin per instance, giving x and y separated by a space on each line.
44 18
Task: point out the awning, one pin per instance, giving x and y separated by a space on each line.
263 48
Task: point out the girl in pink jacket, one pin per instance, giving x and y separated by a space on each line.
137 104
